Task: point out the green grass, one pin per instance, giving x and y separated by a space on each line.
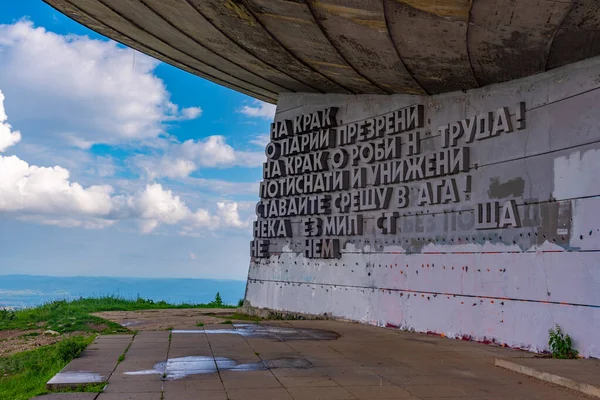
227 322
25 374
70 316
240 317
200 324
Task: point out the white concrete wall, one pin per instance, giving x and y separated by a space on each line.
438 274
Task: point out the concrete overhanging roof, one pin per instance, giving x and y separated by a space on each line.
266 47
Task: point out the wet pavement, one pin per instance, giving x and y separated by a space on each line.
95 365
308 360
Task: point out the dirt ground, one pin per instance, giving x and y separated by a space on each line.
151 320
16 341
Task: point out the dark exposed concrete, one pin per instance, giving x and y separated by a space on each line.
264 48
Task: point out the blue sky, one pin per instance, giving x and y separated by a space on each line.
114 164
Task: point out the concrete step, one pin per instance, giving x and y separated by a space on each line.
95 365
580 375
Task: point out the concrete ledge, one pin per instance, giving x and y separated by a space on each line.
95 365
548 377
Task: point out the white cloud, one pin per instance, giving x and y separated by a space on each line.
155 205
259 110
261 140
179 160
191 112
34 189
47 195
192 256
8 137
228 212
82 90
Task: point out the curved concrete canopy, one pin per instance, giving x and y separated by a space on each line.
266 47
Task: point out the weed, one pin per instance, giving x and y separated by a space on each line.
200 324
69 349
240 302
227 322
121 358
241 317
560 344
30 334
25 374
7 315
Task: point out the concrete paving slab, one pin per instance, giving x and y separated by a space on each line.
363 363
249 380
197 395
306 381
129 396
259 394
579 375
198 383
67 396
94 366
134 387
380 392
320 393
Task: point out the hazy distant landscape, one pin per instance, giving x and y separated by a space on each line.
19 291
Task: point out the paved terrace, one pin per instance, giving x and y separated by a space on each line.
308 360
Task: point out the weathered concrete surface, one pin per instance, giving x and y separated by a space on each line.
363 363
67 396
438 273
95 365
152 320
579 375
264 48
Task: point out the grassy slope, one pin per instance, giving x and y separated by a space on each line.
24 375
70 316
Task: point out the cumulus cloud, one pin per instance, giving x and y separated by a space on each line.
228 212
47 195
25 187
261 140
181 159
8 137
259 109
84 91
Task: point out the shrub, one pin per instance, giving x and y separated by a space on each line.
560 344
240 302
69 349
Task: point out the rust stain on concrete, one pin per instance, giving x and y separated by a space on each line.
368 18
444 8
289 19
240 12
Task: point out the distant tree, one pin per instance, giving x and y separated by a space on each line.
218 301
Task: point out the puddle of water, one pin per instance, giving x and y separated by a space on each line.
178 368
76 377
130 323
266 331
